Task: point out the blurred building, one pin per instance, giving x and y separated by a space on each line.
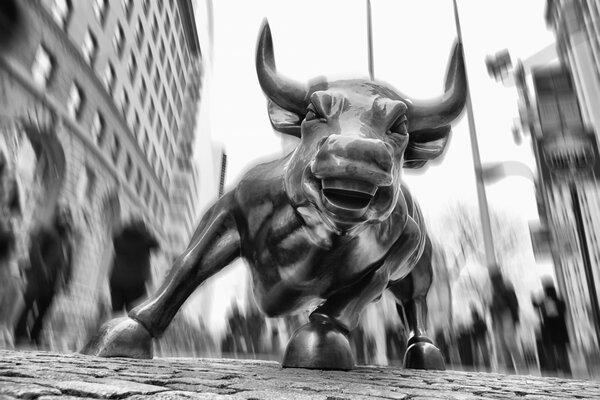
118 83
185 188
577 27
569 104
569 165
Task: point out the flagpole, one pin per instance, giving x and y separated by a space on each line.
486 227
370 41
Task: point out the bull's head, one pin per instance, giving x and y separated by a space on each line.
356 135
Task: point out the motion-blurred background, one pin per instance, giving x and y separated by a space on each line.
122 120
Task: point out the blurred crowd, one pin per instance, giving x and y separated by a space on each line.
31 280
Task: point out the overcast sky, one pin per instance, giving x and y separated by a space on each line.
412 43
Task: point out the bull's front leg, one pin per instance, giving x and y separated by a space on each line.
411 292
214 245
323 343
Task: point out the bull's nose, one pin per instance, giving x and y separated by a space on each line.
369 160
373 151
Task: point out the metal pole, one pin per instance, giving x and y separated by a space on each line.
488 241
370 41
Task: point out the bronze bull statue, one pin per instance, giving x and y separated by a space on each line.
329 224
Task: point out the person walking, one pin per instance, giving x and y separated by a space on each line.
479 330
130 271
504 309
554 333
10 212
49 272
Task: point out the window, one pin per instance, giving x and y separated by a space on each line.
169 70
42 66
109 78
135 126
144 141
154 28
97 127
74 102
100 8
89 47
156 81
61 11
139 33
152 112
118 39
170 115
138 181
161 51
147 190
146 6
124 101
149 59
163 98
127 7
132 67
143 91
128 167
116 149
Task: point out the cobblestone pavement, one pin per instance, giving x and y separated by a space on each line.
46 376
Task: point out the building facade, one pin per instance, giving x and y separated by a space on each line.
569 168
576 194
576 24
109 79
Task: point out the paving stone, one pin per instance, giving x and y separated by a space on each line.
52 376
106 388
25 390
176 394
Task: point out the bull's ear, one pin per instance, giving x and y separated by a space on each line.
284 121
425 145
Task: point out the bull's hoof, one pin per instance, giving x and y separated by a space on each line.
318 345
424 355
121 337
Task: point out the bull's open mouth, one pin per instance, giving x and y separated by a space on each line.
347 197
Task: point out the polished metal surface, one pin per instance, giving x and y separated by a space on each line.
318 345
121 337
331 223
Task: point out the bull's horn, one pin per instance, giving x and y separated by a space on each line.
284 92
443 110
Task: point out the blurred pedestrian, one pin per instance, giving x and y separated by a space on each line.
504 309
49 272
554 334
479 330
10 211
130 273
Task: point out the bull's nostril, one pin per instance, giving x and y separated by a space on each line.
321 142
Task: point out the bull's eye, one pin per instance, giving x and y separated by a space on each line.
399 126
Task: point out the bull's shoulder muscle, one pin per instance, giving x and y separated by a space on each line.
262 183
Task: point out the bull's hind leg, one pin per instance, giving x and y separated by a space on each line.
323 343
411 294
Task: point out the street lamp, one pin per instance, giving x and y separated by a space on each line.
488 241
